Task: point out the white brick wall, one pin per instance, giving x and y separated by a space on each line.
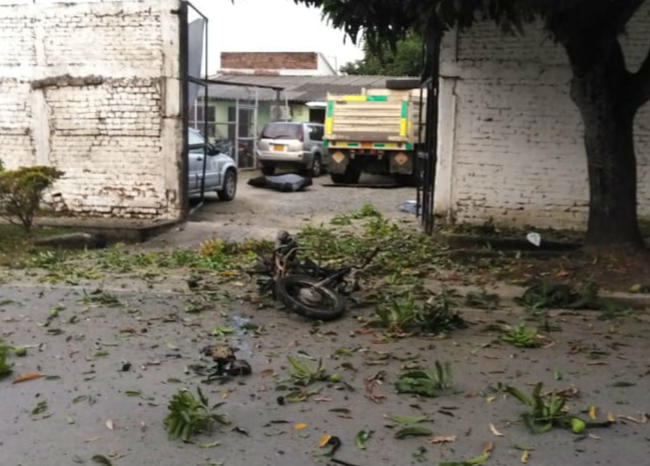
93 88
511 140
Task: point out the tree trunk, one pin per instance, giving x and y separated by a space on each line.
600 90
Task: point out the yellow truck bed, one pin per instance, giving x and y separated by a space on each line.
380 118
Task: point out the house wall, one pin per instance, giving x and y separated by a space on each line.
93 89
276 63
299 112
510 138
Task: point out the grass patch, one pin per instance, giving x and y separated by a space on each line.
16 246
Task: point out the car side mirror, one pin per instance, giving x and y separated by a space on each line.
212 150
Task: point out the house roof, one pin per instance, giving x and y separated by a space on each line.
296 88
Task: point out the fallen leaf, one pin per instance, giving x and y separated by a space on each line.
299 426
323 440
28 376
593 436
610 417
442 439
643 419
412 431
524 456
216 443
109 424
495 431
592 413
362 437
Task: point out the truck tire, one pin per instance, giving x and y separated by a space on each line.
352 173
338 178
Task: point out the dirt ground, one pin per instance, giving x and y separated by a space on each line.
260 213
94 407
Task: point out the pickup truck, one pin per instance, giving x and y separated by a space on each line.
375 132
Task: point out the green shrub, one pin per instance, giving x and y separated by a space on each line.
21 192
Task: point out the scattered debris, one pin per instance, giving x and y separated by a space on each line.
188 415
482 300
28 376
549 410
439 439
542 294
426 383
487 451
226 362
362 438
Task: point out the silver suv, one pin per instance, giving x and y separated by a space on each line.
220 169
291 145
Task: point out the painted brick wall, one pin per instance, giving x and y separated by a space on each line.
511 140
93 88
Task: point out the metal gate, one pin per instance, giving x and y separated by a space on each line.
427 156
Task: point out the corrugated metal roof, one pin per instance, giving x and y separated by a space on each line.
297 88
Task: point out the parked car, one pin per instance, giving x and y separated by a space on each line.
297 146
220 169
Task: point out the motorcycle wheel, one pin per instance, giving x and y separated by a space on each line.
300 295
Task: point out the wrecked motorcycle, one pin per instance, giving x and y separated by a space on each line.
305 287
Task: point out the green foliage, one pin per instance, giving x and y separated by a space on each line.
304 374
404 59
544 411
426 383
21 192
188 415
522 337
482 300
542 294
401 313
5 367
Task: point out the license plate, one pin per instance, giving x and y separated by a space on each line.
278 148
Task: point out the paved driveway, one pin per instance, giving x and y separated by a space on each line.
259 213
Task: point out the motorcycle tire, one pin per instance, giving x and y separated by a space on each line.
288 291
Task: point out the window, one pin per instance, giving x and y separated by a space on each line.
315 133
282 131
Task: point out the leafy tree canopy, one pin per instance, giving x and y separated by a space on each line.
404 59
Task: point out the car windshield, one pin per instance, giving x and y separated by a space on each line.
195 137
281 131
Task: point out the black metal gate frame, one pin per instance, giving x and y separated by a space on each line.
204 82
427 151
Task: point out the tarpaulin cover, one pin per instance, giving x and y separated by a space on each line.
285 183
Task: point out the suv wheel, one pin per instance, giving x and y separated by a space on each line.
316 166
268 170
227 192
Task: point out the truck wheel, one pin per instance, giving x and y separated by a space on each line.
352 174
337 178
268 170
